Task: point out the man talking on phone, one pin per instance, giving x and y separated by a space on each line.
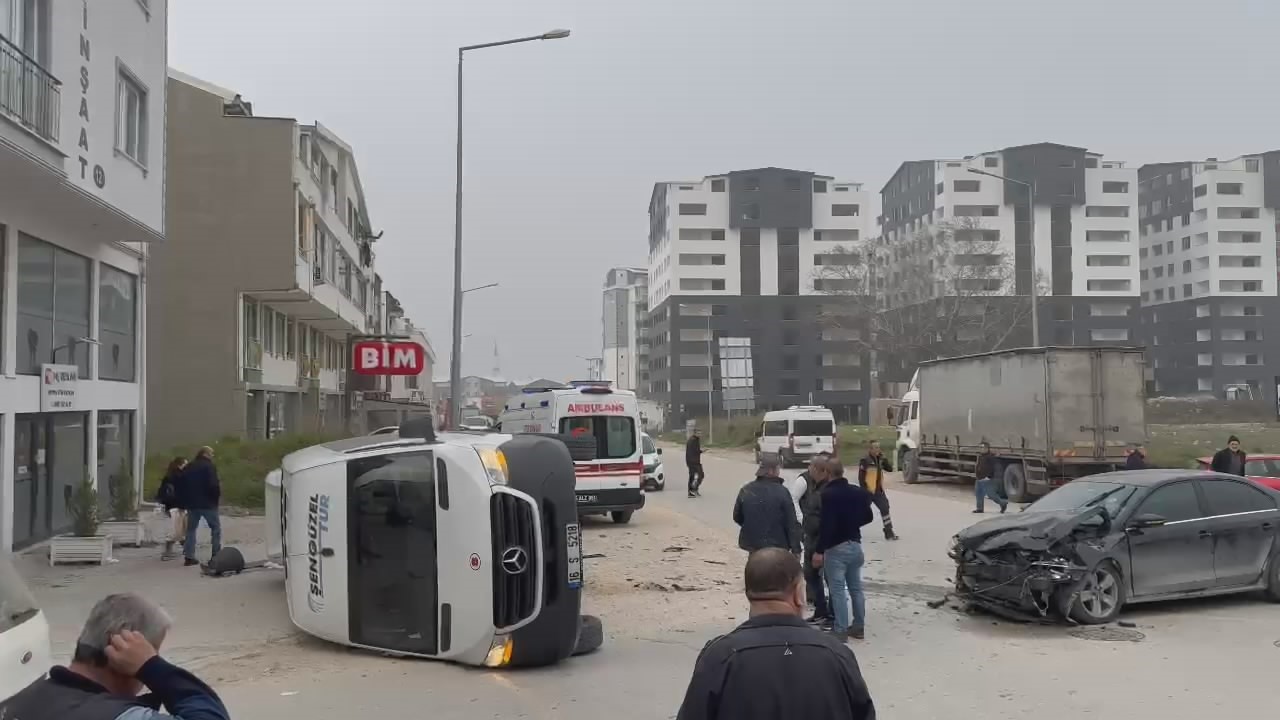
116 658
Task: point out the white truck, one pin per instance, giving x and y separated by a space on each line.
1050 414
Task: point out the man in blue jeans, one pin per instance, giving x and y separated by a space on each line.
201 493
846 509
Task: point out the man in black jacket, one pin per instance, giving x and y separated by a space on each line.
765 513
201 493
693 458
1137 459
872 469
815 479
116 656
845 510
1230 459
773 666
984 480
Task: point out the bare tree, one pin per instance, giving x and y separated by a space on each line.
947 291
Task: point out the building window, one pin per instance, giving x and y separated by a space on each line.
1108 261
693 208
1251 165
819 186
115 454
966 185
1200 191
1115 186
1230 189
794 184
717 185
117 320
990 162
53 307
131 117
1109 335
751 211
844 210
1105 211
1110 286
751 184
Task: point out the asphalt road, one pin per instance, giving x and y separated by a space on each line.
1213 658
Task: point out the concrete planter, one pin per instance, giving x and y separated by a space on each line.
124 532
71 549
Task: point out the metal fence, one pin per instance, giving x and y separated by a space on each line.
28 92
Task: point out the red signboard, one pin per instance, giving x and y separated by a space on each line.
378 357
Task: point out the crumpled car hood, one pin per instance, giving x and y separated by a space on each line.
1035 531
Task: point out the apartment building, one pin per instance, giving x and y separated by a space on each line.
737 303
1079 245
625 357
269 273
1208 270
82 177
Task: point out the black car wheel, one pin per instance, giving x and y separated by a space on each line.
1099 596
1273 578
621 517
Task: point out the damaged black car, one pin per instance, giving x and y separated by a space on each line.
1085 550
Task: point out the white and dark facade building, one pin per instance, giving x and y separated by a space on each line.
624 358
1208 269
1085 243
735 317
82 177
269 275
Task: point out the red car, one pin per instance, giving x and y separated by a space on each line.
1262 469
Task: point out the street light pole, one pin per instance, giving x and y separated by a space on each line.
711 411
455 355
1031 223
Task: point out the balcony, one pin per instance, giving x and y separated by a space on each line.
29 94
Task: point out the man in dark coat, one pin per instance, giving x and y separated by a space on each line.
115 658
773 666
984 480
811 511
765 513
1230 459
201 493
693 458
1137 459
872 469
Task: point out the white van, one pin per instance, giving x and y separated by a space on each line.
612 482
797 434
463 546
24 633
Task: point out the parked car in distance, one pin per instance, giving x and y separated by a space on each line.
386 430
476 423
1087 549
654 477
1262 469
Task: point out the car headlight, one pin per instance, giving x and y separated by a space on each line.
495 462
500 652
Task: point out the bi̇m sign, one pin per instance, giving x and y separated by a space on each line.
376 357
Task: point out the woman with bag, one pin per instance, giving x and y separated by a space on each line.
168 497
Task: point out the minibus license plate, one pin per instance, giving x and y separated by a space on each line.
586 499
573 546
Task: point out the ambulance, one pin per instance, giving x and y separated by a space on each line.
611 483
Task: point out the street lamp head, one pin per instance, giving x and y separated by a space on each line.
555 34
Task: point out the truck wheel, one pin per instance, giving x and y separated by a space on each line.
622 517
590 635
1015 484
910 467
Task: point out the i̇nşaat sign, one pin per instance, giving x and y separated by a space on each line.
58 387
383 357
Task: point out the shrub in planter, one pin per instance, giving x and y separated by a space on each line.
83 509
124 495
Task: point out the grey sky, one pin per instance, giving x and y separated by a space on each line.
564 139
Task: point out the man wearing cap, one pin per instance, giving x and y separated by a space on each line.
1230 459
764 511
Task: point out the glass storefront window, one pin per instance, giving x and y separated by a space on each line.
117 320
115 450
52 308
